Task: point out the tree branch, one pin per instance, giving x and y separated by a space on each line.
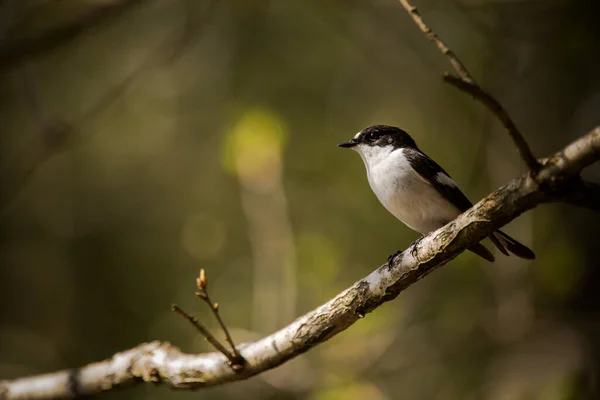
161 362
439 43
556 179
466 83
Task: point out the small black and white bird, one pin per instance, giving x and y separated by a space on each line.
415 189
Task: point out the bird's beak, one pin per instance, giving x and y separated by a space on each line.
349 144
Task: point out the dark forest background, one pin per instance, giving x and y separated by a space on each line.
143 140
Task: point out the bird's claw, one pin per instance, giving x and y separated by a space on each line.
415 245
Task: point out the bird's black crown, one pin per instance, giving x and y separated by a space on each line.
384 135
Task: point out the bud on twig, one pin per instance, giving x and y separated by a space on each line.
201 281
236 361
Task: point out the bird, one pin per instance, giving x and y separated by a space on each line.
415 189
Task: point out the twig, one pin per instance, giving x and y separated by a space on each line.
465 82
236 361
498 110
204 331
160 362
433 37
202 293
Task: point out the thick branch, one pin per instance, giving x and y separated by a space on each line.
162 363
465 82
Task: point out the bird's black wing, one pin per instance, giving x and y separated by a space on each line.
435 175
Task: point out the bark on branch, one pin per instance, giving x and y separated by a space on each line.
160 362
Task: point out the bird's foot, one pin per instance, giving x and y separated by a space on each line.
415 245
417 242
391 258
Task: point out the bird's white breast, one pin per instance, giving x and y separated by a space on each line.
403 192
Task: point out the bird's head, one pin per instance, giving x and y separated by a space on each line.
378 141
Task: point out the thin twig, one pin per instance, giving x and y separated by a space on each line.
433 37
465 82
236 361
204 332
498 110
202 293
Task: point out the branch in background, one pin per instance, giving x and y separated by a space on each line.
13 54
53 135
236 361
466 83
159 362
30 96
58 133
167 52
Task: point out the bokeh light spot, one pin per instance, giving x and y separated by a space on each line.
252 149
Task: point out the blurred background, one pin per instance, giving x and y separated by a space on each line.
144 140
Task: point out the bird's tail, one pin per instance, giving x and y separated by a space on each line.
504 242
481 251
